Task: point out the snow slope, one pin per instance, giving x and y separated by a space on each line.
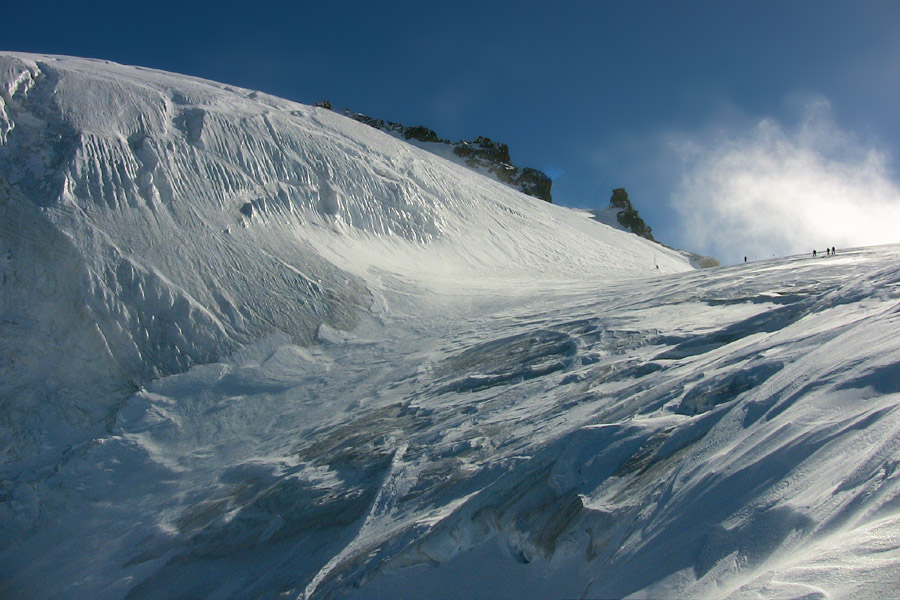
152 222
253 349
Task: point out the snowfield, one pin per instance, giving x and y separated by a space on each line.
254 349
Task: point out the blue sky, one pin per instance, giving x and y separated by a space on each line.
740 112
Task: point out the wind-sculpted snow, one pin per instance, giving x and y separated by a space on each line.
251 349
152 222
573 443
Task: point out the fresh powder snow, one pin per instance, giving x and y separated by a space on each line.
255 349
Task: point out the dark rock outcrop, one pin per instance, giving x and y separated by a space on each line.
482 149
483 153
627 215
534 183
423 134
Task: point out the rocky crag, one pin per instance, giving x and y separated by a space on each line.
621 214
481 154
627 215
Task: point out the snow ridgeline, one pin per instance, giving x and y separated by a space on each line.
151 222
400 379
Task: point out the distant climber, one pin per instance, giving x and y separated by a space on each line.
832 250
814 253
827 251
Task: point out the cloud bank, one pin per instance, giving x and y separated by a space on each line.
779 191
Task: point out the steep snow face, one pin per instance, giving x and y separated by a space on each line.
151 222
255 350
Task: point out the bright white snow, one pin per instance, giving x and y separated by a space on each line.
253 349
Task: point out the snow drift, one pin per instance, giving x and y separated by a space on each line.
253 349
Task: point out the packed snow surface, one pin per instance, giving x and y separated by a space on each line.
254 349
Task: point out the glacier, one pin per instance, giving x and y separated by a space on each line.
255 349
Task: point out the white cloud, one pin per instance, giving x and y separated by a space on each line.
779 191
